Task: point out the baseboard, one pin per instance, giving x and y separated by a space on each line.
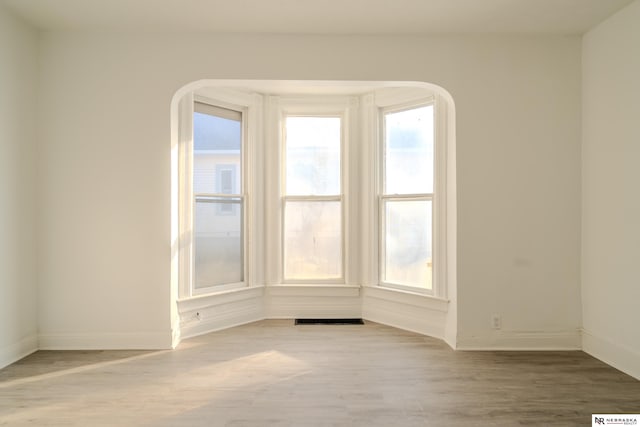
203 325
16 351
415 316
522 341
106 341
210 313
620 357
176 337
290 301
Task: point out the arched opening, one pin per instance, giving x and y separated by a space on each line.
342 241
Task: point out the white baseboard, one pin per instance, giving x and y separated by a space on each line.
415 313
176 336
519 341
106 341
233 316
326 302
620 357
16 351
215 312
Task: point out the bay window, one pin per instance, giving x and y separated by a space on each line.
313 190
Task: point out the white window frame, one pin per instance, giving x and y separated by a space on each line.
386 105
250 108
278 108
361 179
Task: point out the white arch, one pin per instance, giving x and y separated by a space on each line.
324 87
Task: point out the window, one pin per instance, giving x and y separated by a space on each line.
218 199
226 184
306 189
406 199
312 199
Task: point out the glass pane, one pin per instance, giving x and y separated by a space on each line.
313 156
217 230
217 143
409 151
407 243
313 240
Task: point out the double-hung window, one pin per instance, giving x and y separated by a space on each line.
313 241
218 198
406 197
309 190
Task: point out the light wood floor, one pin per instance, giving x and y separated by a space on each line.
272 373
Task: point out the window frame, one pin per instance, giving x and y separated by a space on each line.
278 108
360 183
220 107
312 198
247 106
437 196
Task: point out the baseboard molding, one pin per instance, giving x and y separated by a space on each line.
16 351
409 316
620 357
235 317
106 341
215 312
522 341
321 308
290 301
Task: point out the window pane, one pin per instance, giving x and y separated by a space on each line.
313 240
313 156
409 151
218 241
407 243
217 142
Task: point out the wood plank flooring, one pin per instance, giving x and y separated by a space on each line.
272 373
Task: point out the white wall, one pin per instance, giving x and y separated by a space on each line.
105 216
18 78
611 198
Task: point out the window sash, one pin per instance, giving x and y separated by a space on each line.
286 198
222 197
385 197
383 243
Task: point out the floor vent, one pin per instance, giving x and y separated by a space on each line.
329 322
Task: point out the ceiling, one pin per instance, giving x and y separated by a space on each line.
320 16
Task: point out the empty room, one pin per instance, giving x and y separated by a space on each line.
304 213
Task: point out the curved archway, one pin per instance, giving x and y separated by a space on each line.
263 296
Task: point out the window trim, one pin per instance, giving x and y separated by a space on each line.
311 198
221 109
264 210
437 197
221 101
383 196
278 108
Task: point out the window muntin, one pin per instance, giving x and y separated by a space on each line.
312 199
406 201
218 197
